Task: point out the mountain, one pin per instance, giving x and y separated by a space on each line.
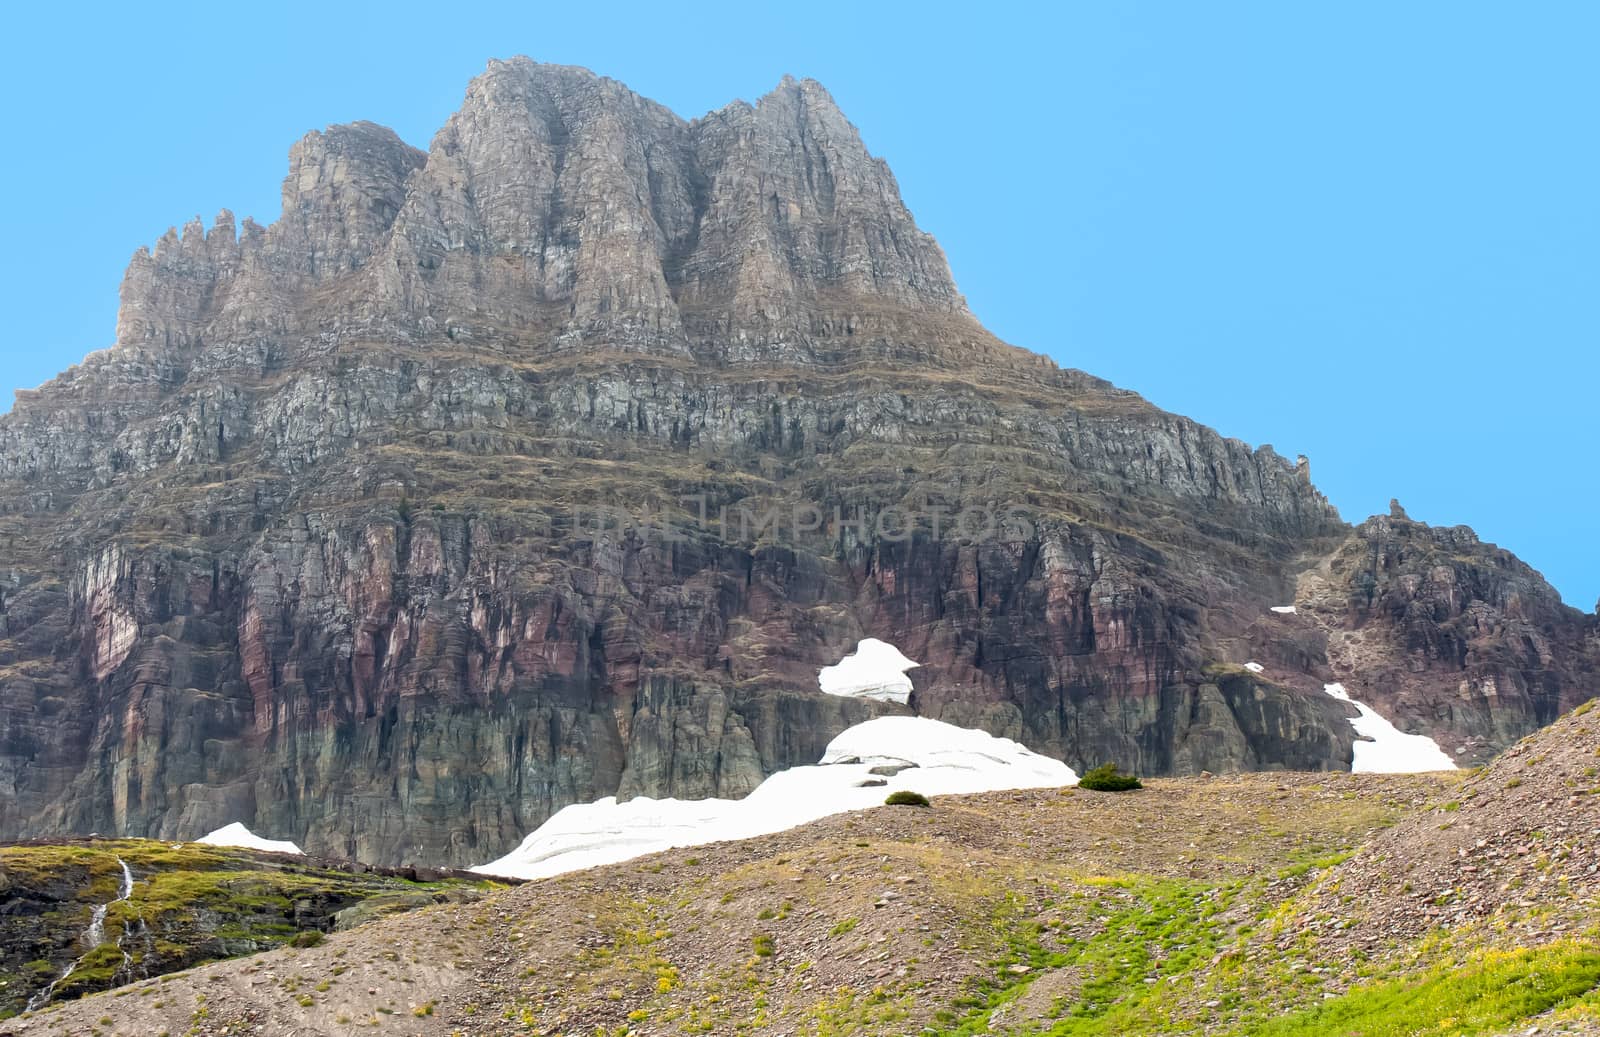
553 463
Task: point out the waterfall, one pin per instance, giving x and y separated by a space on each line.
92 938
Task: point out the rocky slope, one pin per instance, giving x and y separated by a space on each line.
1194 906
874 923
1515 851
554 461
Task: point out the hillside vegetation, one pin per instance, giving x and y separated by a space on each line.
189 904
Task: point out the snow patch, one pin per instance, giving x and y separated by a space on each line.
237 835
914 753
1254 667
875 670
1285 610
1384 748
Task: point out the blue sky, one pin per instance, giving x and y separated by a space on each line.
1365 231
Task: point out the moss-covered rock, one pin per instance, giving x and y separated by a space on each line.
190 903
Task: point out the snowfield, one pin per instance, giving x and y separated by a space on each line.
1390 750
237 835
859 768
876 670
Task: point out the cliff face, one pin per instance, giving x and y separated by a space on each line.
554 462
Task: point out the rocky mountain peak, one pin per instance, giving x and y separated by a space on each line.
562 210
344 187
804 113
802 207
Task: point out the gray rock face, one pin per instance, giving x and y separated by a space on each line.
316 545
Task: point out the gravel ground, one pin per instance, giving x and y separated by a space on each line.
1518 843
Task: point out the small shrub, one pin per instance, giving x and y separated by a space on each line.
906 798
309 938
1106 778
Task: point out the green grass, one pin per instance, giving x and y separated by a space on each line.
1165 921
1172 929
94 972
1486 995
1304 865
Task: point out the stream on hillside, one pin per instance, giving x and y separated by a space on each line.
93 937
